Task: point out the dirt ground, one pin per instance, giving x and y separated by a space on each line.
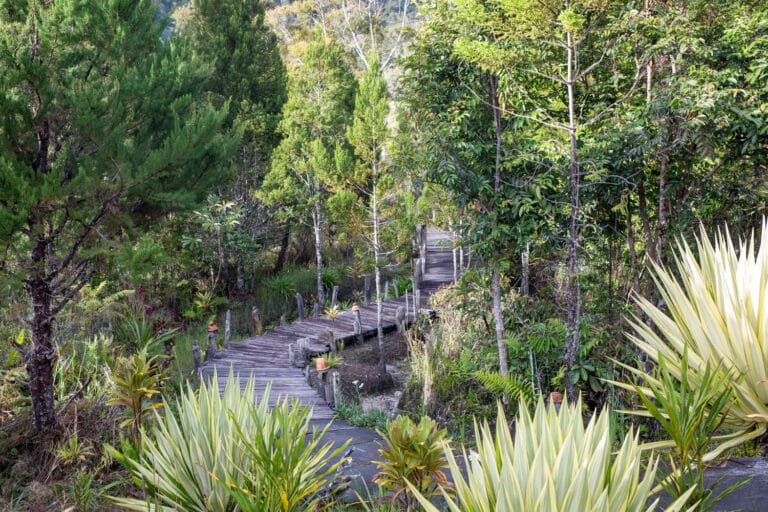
362 378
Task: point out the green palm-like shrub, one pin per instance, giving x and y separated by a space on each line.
716 314
554 464
689 417
226 452
287 468
411 453
187 458
137 379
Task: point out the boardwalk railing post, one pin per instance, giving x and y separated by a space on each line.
335 296
367 290
300 306
227 328
332 342
357 323
407 306
256 315
400 319
197 358
386 290
423 248
282 320
335 388
316 311
395 289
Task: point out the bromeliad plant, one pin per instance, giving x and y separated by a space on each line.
554 464
411 453
716 311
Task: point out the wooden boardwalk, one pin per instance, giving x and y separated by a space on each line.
265 358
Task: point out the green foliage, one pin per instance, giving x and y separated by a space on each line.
690 416
84 492
513 386
84 361
229 452
553 464
411 453
715 302
135 332
352 412
187 458
287 465
137 381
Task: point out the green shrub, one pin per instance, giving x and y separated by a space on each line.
716 302
689 416
411 453
227 452
554 464
187 460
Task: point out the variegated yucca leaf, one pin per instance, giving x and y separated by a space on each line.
554 464
187 459
716 311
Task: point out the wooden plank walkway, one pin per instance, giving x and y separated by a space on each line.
265 358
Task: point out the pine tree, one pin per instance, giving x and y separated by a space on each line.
100 129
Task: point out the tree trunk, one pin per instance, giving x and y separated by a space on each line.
498 319
280 263
317 223
573 292
42 357
377 268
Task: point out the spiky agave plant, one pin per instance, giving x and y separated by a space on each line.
554 464
716 315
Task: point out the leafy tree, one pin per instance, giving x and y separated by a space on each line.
100 129
368 134
247 70
311 155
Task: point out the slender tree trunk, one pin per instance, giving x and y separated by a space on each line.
42 356
377 268
498 317
317 224
573 292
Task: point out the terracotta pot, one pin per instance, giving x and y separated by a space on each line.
321 364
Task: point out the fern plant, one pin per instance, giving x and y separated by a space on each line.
514 387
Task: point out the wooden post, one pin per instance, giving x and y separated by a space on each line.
197 358
336 387
357 323
332 342
300 306
291 354
407 306
316 311
282 320
210 352
256 315
335 296
400 319
423 248
416 290
395 289
367 290
302 350
386 290
227 328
